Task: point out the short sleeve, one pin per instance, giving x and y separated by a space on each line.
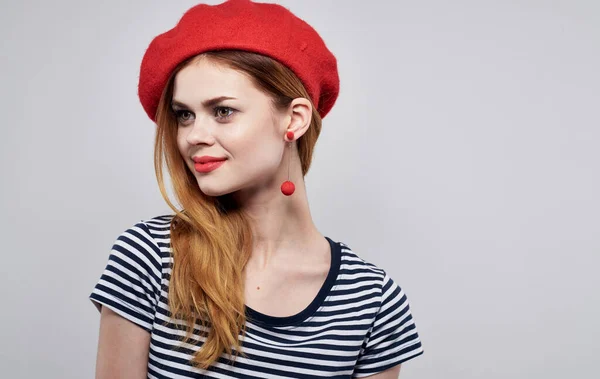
130 283
393 337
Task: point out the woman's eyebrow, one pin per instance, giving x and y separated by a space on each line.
205 103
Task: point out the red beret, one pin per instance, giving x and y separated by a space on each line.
264 28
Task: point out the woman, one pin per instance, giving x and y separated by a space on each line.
239 283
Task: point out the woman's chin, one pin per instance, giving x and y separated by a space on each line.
213 190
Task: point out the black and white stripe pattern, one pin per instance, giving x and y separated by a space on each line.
358 325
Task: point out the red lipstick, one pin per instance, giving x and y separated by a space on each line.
207 163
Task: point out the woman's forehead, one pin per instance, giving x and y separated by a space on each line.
205 80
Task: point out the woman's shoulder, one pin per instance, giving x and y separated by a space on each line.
359 272
353 260
158 224
132 280
148 238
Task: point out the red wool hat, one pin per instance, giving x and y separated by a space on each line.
263 28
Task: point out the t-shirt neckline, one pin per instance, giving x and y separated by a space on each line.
266 320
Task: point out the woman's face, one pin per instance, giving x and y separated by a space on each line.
240 126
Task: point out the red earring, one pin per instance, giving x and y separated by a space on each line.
288 188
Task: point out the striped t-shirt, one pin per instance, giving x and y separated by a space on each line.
359 323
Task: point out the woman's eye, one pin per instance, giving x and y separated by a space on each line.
181 115
223 112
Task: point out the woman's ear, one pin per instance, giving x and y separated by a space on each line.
301 116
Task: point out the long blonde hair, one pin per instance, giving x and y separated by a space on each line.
211 237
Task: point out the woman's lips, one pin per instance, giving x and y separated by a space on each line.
209 166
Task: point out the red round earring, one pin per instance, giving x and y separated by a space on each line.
288 188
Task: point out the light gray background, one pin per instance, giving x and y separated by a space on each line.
462 156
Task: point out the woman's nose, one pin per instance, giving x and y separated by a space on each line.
200 132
